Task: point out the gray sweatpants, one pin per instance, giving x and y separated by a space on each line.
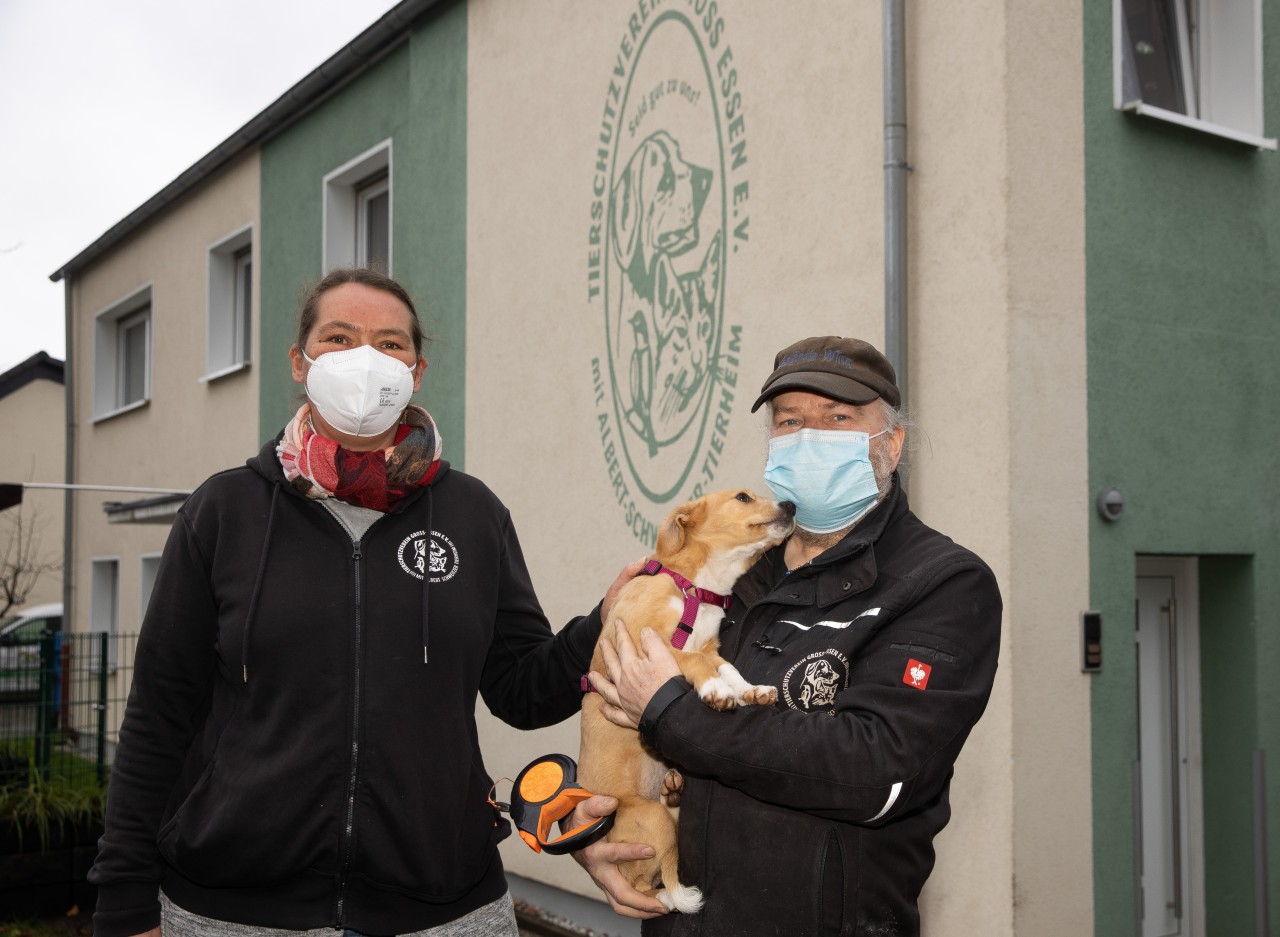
496 919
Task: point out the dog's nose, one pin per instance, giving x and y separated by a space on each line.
788 508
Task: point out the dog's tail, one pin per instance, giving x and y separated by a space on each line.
676 897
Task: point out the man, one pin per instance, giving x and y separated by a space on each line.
817 815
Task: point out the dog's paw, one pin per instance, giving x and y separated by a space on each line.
683 898
672 787
718 694
758 696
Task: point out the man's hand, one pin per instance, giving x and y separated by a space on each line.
601 862
634 676
629 572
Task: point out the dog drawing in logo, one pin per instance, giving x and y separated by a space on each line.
820 684
664 320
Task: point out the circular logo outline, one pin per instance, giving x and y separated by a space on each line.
830 652
703 406
436 538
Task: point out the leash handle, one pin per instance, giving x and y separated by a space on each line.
545 792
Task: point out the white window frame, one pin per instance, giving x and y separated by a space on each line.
346 191
1220 60
148 567
104 602
229 331
109 353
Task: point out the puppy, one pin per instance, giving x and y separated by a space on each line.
709 543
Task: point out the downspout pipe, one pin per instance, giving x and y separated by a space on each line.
69 453
895 192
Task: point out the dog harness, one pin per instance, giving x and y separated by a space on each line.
693 597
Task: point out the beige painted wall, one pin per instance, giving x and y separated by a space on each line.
32 425
190 429
997 349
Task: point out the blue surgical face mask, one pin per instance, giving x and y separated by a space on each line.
826 474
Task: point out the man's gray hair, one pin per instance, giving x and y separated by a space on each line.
892 419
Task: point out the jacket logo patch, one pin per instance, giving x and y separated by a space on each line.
435 556
917 674
813 682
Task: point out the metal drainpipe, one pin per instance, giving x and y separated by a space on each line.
895 195
68 502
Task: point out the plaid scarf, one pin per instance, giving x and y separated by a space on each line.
320 468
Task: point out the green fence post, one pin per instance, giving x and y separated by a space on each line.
103 638
44 704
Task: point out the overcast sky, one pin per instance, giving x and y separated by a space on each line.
104 102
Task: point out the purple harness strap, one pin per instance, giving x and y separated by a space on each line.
693 597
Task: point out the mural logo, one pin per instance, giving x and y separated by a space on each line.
669 211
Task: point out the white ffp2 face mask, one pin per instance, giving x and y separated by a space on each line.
359 391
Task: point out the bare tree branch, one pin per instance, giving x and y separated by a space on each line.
21 562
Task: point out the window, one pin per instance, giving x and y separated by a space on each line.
122 355
373 222
357 211
1193 62
230 332
104 587
149 565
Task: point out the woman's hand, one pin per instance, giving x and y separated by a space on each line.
601 862
634 676
629 572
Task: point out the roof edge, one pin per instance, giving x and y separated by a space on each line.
40 365
359 54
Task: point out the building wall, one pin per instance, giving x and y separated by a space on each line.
1183 286
190 429
997 338
34 451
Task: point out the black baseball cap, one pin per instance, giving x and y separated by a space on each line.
846 369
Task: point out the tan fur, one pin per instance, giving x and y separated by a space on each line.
711 541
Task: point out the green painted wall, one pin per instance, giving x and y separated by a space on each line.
417 97
1183 294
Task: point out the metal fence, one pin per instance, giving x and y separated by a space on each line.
61 702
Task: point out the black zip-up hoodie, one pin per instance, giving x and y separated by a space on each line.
287 757
817 816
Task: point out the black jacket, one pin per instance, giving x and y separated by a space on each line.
287 758
817 815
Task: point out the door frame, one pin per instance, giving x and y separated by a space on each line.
1184 573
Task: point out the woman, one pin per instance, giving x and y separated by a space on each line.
299 750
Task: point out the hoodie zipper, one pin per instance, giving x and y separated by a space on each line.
348 828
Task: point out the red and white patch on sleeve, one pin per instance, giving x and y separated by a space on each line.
917 674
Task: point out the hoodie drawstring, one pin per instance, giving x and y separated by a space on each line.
426 582
257 584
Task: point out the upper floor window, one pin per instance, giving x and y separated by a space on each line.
230 318
357 211
1193 62
122 355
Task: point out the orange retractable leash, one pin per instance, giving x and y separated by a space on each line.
546 791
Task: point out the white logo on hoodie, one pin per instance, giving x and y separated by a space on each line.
436 555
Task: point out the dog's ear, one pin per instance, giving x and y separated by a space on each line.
626 207
675 530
